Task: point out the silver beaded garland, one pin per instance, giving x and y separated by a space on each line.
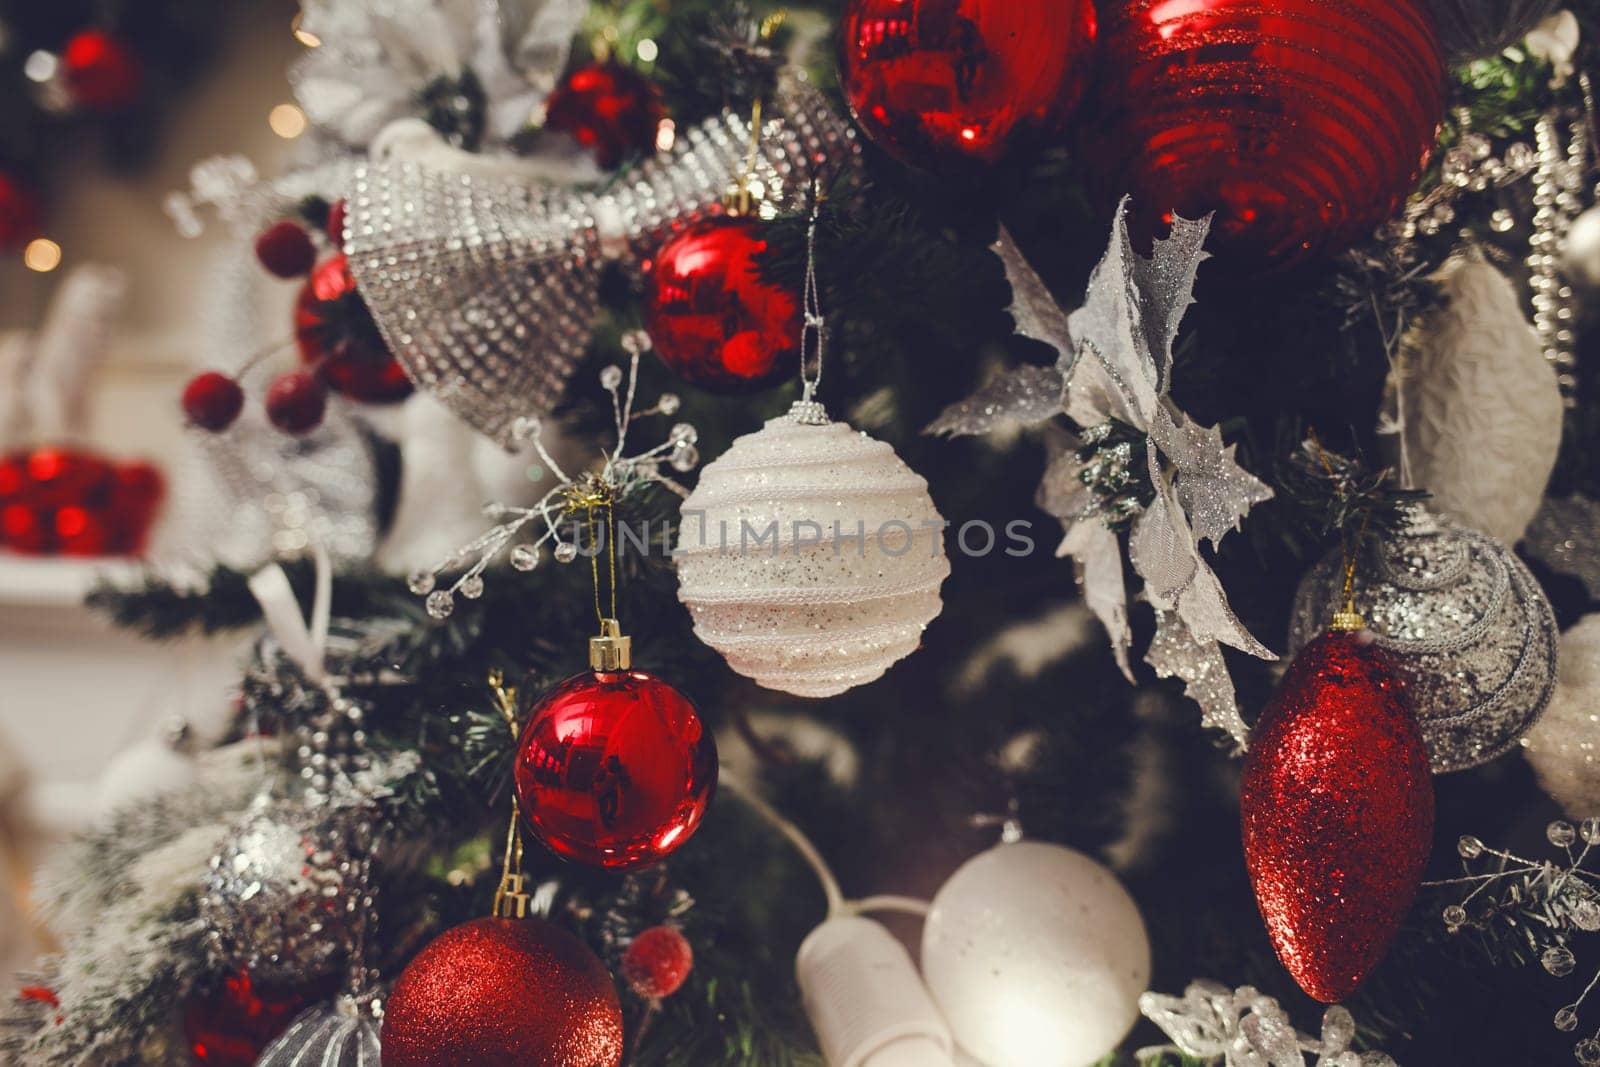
1464 620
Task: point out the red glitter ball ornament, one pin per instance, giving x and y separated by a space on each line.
608 108
100 71
713 320
1303 124
503 993
337 335
658 962
615 769
1337 812
936 81
231 1025
19 213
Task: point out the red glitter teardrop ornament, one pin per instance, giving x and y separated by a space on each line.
337 335
1337 811
503 993
712 318
19 213
100 72
608 108
1303 123
231 1025
953 81
615 769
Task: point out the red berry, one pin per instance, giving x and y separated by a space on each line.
658 962
285 250
100 71
296 402
335 227
212 401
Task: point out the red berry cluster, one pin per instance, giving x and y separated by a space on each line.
70 502
658 962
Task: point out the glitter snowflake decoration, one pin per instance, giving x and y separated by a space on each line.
1540 906
617 478
1246 1028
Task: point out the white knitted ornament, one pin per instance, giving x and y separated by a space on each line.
811 556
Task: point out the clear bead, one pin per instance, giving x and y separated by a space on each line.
1502 221
1589 830
441 604
1559 960
611 378
472 588
1587 1052
525 557
421 583
670 403
566 552
685 458
1469 847
684 434
1566 1019
1586 915
525 428
1455 916
1520 156
1561 833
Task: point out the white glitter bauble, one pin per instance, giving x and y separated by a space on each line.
1036 956
1564 747
811 556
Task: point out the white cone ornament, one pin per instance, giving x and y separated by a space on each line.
1036 955
1482 407
811 556
1564 747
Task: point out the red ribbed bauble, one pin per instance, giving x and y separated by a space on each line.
19 213
231 1025
503 993
615 769
941 81
608 108
1303 124
1337 813
336 334
713 320
100 71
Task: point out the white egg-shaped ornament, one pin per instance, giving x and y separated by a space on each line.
1036 956
811 556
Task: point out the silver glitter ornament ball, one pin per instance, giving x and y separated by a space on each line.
1477 29
344 1033
277 898
1466 623
811 556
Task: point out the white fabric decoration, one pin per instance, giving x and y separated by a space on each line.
811 557
1564 745
1482 407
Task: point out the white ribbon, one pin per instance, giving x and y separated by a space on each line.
306 644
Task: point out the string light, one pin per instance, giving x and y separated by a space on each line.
303 35
666 135
42 255
647 51
287 121
41 66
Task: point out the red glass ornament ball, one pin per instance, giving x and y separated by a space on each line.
940 81
286 250
338 336
296 402
100 71
712 318
608 108
232 1024
1304 124
615 769
658 962
1337 813
212 401
19 213
503 993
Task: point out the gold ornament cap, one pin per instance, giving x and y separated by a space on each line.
1348 621
610 651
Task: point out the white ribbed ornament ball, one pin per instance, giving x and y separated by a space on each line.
1036 956
811 556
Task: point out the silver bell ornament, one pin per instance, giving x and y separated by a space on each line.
1465 623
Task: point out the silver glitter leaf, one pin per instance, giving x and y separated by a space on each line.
1037 314
1213 490
1166 284
1027 397
1175 653
1097 553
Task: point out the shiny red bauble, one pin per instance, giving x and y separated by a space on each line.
212 401
608 108
231 1025
285 250
935 82
615 769
1337 812
657 962
100 72
337 335
712 318
19 213
1304 124
70 502
503 993
296 402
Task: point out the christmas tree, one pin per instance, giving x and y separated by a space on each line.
882 533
